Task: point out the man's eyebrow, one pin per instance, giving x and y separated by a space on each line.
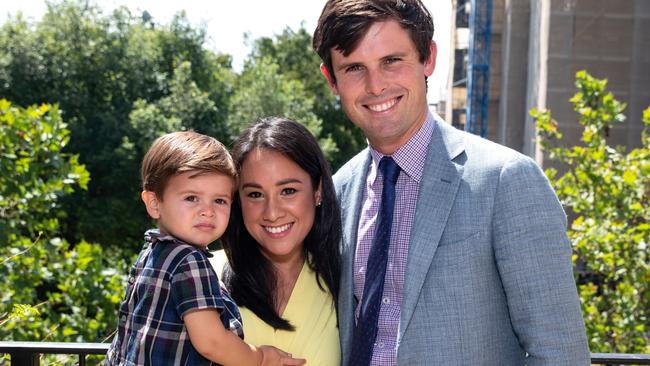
345 65
395 55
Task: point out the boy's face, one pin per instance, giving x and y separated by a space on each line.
194 208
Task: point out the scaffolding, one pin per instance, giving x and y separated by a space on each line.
478 66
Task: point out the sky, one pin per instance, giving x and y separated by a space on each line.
227 22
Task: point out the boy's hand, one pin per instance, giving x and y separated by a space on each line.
273 356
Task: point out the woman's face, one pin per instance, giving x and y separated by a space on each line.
278 204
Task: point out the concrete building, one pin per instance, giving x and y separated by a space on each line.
536 48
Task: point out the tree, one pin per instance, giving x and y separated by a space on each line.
98 68
262 91
51 290
34 172
607 191
296 60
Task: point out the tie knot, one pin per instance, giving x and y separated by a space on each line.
389 169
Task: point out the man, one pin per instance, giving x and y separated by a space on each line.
455 249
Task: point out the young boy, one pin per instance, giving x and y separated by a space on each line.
174 312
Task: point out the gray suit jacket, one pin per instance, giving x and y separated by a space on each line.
489 275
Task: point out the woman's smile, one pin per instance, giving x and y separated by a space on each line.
278 231
278 202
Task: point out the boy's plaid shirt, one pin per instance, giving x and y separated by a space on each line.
168 279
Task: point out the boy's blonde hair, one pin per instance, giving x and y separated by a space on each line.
179 152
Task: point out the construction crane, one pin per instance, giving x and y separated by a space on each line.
478 66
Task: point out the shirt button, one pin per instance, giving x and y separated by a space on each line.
123 318
362 269
380 344
131 280
386 300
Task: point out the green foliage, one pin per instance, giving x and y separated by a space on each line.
122 80
34 172
262 91
185 107
292 51
71 292
97 68
119 81
607 190
51 290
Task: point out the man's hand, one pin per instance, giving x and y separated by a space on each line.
272 356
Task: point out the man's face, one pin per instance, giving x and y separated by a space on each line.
382 85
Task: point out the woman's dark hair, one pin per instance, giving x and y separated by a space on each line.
250 277
343 23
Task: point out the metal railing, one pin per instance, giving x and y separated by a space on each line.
28 353
620 359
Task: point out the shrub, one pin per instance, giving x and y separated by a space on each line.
51 290
606 190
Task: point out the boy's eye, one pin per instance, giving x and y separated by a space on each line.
191 198
221 201
289 191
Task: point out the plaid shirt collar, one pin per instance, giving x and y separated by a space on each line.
154 236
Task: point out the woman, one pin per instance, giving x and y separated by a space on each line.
282 243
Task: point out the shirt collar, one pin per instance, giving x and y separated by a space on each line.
154 236
411 156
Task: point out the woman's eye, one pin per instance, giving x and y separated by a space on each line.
254 195
288 191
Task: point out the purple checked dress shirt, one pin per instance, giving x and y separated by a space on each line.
410 158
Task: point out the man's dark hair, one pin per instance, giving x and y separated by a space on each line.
343 23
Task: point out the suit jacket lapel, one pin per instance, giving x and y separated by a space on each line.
440 181
350 209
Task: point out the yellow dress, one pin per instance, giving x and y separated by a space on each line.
311 312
